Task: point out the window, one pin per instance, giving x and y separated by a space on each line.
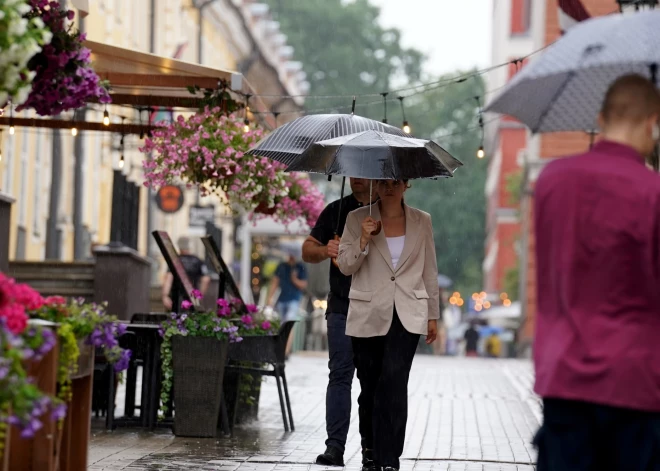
521 16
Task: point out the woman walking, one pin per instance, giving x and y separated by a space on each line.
394 299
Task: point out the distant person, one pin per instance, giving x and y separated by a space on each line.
471 338
195 269
321 245
493 346
291 277
596 349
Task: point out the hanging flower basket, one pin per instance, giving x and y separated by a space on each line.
63 76
20 39
208 150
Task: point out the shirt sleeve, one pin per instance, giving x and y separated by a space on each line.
302 272
323 230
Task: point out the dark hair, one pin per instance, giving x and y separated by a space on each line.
631 98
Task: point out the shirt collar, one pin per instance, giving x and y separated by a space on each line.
616 149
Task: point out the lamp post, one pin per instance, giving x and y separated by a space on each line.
636 5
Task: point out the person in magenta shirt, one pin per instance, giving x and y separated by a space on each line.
597 341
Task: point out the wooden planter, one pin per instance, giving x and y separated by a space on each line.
54 448
4 454
199 367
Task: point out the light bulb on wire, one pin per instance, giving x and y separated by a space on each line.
481 153
246 125
406 127
12 130
121 161
11 119
74 131
246 121
106 118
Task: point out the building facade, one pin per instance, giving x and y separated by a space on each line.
235 35
521 27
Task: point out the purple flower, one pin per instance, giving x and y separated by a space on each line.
266 325
196 294
186 304
247 320
222 303
252 308
161 332
58 412
124 359
121 329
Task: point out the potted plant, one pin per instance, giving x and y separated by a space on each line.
194 354
20 39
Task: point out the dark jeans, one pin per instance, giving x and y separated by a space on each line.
383 367
338 397
580 436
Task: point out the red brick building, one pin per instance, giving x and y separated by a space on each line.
519 28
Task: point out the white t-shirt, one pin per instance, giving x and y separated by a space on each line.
396 247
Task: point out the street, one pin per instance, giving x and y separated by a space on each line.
464 414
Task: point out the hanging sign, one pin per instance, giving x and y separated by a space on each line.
169 199
200 215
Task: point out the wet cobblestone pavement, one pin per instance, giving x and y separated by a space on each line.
465 415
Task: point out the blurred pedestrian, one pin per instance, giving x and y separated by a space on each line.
394 299
194 267
493 346
597 226
471 338
319 246
291 278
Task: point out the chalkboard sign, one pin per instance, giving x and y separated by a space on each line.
227 287
181 280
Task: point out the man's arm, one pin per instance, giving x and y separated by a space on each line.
205 278
165 291
314 251
274 283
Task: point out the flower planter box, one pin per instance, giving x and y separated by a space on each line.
255 349
199 366
235 388
85 360
4 453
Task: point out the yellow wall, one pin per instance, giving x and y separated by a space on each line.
123 23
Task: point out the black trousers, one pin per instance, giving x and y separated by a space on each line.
580 436
383 368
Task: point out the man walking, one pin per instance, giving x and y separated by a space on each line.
596 353
320 246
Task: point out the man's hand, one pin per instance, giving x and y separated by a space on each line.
433 332
333 249
167 302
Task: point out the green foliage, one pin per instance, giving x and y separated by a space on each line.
512 283
514 187
344 50
68 360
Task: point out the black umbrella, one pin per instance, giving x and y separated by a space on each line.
287 143
376 155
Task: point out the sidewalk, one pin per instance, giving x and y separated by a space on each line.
464 414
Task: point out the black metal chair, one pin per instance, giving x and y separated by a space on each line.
270 350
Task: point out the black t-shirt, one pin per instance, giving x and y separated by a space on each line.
195 269
471 339
324 232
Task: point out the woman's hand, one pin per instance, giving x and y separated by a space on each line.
369 225
433 332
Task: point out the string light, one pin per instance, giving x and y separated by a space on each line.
406 126
246 121
106 117
74 129
481 153
384 94
11 119
121 161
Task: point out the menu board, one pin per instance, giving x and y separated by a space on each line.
171 256
227 287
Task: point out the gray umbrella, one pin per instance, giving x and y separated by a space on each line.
564 89
287 143
376 155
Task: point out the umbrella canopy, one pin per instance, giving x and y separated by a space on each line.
287 143
377 155
565 88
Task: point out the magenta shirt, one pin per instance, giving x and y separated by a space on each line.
597 225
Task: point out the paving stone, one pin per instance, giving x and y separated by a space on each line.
464 415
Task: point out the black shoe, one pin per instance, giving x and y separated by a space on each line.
390 468
368 463
331 457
